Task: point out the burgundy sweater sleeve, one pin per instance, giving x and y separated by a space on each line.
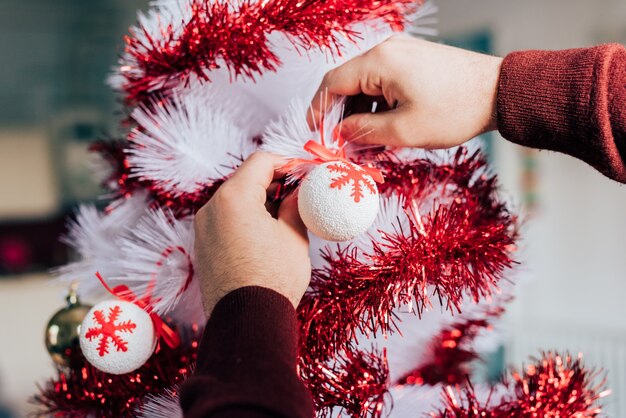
571 101
247 361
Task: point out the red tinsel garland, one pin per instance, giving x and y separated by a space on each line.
82 390
356 382
462 247
458 254
451 353
220 33
469 406
553 386
464 176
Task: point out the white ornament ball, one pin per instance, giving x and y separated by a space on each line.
338 201
117 337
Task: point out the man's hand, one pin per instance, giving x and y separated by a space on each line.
238 243
439 96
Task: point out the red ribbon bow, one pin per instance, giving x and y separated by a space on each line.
161 329
325 155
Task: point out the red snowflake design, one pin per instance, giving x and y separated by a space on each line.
108 330
354 175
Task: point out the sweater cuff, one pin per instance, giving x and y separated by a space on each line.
249 323
544 96
247 360
568 101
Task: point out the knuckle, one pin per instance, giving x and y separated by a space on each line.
397 129
226 198
361 122
427 141
258 156
383 51
221 197
328 78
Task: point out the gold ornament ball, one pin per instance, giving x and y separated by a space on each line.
63 330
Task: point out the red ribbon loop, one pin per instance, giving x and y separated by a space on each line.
161 329
324 155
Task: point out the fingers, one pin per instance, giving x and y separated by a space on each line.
253 178
288 214
386 128
257 170
321 104
349 79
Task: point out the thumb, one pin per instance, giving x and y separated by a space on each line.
289 215
374 128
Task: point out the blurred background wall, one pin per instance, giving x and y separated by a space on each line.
53 101
573 274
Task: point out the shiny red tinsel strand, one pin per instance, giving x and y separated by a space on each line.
461 247
557 386
82 390
355 382
462 402
220 33
553 386
457 254
463 176
451 352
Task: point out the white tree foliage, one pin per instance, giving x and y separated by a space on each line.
188 142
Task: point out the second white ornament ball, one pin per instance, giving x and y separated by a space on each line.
117 337
338 201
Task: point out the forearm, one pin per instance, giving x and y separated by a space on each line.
247 361
570 101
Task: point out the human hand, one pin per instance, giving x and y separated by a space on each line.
238 243
439 96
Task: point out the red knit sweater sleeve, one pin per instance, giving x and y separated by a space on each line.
247 361
571 101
